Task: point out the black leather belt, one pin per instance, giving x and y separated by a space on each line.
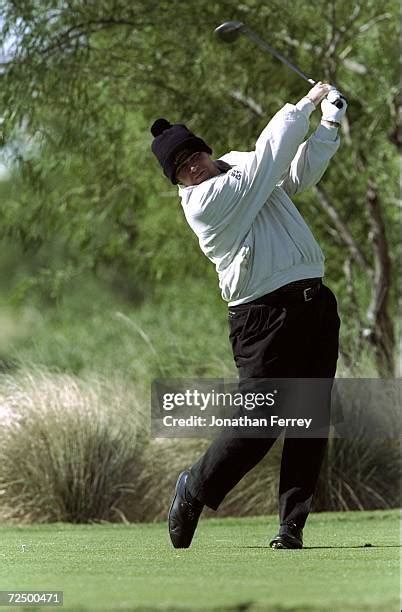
296 292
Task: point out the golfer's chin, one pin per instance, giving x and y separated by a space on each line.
200 177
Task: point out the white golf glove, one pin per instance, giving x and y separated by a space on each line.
330 112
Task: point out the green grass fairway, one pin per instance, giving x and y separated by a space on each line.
229 567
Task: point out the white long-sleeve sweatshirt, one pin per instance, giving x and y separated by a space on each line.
244 219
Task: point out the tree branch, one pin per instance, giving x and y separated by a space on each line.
382 266
380 333
344 232
85 29
247 102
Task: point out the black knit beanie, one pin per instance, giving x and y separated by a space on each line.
173 144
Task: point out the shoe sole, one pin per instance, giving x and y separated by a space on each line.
284 543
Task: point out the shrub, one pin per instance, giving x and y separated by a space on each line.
78 450
357 474
69 448
361 470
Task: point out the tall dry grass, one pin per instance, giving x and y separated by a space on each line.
357 474
78 450
70 449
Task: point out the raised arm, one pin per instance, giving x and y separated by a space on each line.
237 197
312 157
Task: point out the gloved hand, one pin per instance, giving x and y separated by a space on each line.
330 112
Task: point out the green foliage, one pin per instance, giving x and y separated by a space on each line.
86 193
88 329
97 74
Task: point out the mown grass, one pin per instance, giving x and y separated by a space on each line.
228 567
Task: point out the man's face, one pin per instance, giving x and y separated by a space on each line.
195 169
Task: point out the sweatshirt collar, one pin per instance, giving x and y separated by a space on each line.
220 164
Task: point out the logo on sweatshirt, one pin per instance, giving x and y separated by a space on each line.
236 174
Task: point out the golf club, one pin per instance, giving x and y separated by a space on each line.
229 31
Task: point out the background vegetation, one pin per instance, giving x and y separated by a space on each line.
102 283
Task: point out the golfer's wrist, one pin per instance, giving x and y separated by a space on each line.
312 101
306 105
328 123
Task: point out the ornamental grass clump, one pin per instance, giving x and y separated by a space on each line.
69 448
361 470
360 474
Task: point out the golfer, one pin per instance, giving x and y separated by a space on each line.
283 320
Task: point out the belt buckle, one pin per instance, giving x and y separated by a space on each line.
306 298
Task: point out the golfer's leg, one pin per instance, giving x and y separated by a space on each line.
300 468
302 458
254 335
223 465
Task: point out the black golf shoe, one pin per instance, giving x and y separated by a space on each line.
183 514
289 536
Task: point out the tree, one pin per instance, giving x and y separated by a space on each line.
85 80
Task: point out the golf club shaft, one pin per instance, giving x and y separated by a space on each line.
230 30
253 36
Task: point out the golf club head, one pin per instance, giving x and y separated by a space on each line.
229 30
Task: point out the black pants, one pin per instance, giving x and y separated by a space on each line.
288 340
